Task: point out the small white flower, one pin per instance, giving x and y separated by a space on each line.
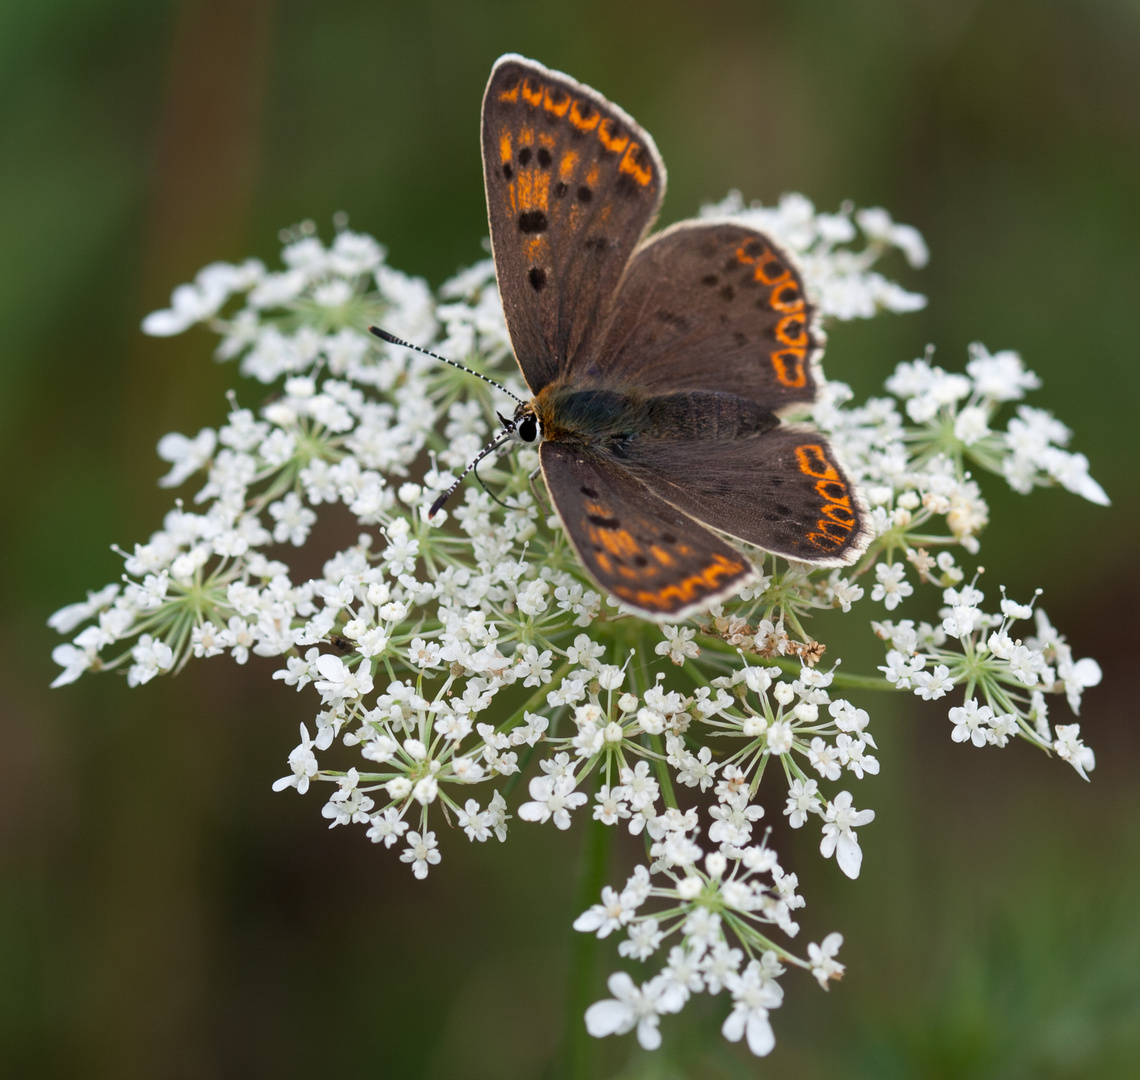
780 737
611 914
421 852
970 722
303 763
1070 748
931 685
839 837
824 966
891 584
630 1006
186 455
678 645
754 993
552 797
387 827
803 799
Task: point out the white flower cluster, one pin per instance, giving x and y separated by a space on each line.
1012 676
471 649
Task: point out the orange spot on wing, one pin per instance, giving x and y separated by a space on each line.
661 555
841 515
742 255
827 488
619 542
592 174
533 190
557 107
614 143
504 146
792 331
771 271
813 461
676 595
583 123
837 518
567 165
641 173
788 365
511 95
786 296
831 534
532 94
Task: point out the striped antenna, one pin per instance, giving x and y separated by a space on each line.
383 335
495 443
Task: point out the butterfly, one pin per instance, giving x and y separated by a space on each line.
660 366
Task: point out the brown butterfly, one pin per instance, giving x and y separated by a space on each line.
660 366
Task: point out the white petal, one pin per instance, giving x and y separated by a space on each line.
608 1018
648 1033
761 1039
849 855
1087 672
733 1027
590 920
534 811
331 667
166 323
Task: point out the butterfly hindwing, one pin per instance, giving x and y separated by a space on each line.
572 184
783 490
636 546
712 306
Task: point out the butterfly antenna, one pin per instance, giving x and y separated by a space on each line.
490 493
383 335
489 448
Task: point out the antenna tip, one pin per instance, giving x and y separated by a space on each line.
438 505
383 335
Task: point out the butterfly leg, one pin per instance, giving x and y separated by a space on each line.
539 499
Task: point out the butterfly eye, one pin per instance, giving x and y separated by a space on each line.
528 429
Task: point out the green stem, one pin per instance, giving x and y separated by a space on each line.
578 1059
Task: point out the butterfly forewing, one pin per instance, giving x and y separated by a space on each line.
636 546
572 184
712 306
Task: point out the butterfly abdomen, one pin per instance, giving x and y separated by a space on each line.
627 422
708 415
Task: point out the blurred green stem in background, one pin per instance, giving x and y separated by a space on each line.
580 1048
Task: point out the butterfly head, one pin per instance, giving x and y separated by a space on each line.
524 425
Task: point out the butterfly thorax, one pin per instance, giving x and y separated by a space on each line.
627 420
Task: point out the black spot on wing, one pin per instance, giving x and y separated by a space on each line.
537 278
532 221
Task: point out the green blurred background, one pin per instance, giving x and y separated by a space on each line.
162 912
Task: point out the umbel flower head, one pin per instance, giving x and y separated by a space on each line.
448 658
